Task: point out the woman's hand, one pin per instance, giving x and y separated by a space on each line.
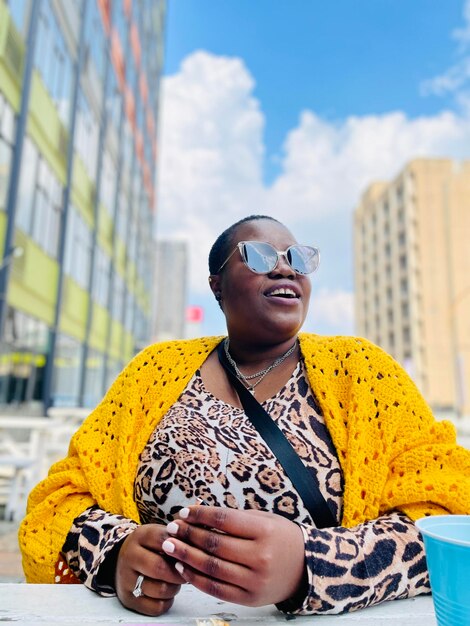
141 554
252 558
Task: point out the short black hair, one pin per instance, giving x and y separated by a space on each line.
223 244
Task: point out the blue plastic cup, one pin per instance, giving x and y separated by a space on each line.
447 546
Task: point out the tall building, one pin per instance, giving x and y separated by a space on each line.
171 278
79 87
412 276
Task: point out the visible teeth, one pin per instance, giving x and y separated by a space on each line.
282 291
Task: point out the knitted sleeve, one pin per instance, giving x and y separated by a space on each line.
103 454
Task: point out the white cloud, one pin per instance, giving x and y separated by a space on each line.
211 153
463 34
333 309
327 166
211 161
456 77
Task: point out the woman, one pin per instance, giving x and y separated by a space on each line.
120 512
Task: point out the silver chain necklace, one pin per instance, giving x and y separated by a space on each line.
261 374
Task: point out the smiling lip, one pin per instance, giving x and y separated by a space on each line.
286 293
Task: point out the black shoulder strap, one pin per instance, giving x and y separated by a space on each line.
282 449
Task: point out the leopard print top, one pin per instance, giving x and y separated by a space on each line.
206 448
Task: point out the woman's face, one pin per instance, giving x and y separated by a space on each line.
253 308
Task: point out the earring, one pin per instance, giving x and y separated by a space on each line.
218 296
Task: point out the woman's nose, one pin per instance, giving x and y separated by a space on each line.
283 268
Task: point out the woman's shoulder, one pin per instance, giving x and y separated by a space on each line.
168 350
336 343
353 355
334 349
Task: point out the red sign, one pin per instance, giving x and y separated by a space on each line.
194 314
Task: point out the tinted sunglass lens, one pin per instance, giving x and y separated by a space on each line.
259 257
303 259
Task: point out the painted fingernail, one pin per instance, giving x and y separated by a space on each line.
179 567
172 528
184 513
167 546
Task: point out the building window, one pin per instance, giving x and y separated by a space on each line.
404 286
95 38
7 131
132 241
101 282
18 10
402 238
67 369
47 210
113 102
108 182
129 310
121 222
403 261
114 368
23 359
94 373
400 193
406 336
26 188
86 135
53 60
40 208
118 298
78 249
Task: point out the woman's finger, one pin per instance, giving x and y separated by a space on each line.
158 567
212 542
151 536
149 606
212 566
228 592
243 524
159 590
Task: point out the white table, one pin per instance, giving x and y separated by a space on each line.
74 604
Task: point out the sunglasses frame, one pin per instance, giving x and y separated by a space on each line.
279 253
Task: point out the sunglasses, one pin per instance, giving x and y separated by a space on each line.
262 258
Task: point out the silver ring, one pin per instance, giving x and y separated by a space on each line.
137 591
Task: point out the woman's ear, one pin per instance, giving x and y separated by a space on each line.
214 283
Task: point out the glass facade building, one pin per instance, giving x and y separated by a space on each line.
79 93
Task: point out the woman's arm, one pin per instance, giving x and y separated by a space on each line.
109 552
256 558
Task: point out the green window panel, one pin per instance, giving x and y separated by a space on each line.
46 129
74 310
83 190
117 331
120 260
11 58
33 286
128 346
99 326
105 234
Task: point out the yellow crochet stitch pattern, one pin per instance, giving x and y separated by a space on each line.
393 453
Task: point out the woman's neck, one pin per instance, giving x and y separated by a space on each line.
255 356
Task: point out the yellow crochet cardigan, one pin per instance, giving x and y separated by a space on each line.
392 451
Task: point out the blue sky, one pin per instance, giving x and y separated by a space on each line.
291 108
